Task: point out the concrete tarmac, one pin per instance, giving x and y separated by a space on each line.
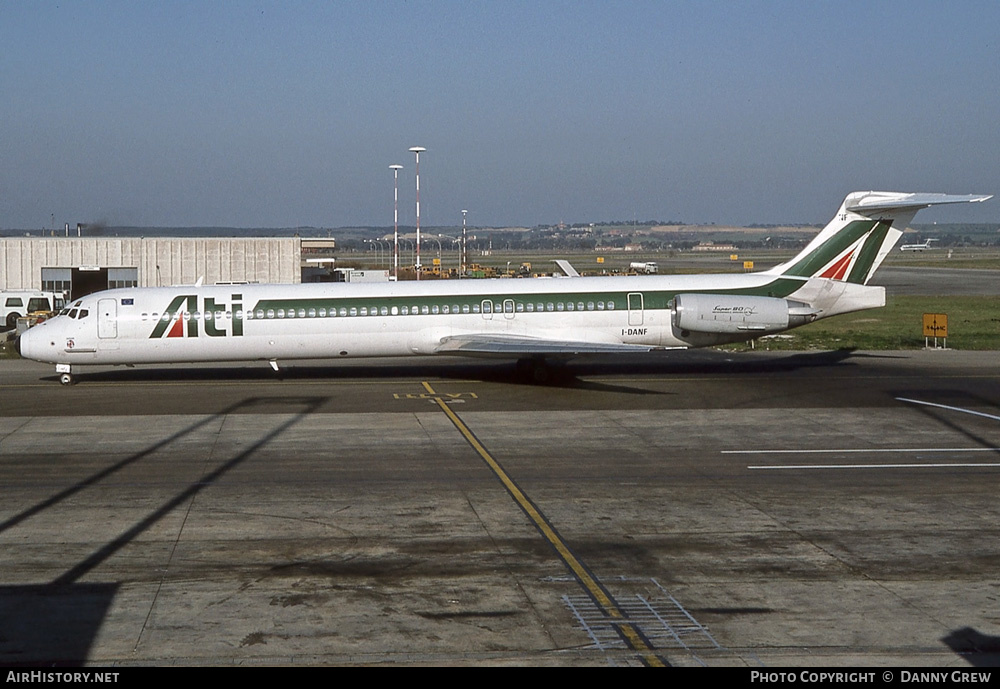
700 508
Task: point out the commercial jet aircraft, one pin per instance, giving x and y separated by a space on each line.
530 320
918 247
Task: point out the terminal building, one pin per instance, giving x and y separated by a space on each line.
82 265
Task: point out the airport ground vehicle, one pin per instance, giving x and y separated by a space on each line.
17 303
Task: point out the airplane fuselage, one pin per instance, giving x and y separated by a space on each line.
333 320
512 318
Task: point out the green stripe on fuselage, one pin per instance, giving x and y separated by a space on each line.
652 299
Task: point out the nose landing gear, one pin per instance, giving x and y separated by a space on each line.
65 374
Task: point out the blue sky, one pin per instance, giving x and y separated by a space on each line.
259 114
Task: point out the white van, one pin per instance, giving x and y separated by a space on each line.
17 303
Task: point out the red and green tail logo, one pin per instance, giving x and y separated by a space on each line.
848 255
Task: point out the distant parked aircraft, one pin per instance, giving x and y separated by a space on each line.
917 247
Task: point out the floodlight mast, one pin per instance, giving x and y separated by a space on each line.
417 150
395 219
464 246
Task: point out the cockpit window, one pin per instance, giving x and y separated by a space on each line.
84 313
72 313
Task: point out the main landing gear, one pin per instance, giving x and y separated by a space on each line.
536 370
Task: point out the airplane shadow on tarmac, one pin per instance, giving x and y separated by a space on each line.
563 374
54 624
976 648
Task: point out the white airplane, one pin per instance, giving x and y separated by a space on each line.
530 320
917 247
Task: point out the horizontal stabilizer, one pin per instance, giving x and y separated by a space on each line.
854 244
871 202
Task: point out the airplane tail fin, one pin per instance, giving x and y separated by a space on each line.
869 223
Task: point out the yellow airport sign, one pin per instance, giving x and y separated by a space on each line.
747 265
935 325
600 259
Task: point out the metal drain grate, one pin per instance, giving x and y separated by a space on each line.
650 608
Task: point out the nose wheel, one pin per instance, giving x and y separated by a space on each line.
66 378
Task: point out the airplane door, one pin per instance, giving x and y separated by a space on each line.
508 308
635 308
107 318
487 310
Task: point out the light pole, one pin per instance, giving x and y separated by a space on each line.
395 219
461 272
417 150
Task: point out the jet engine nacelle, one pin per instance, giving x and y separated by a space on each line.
727 313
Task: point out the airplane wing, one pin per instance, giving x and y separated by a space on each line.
512 346
565 267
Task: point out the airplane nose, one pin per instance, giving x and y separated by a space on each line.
21 345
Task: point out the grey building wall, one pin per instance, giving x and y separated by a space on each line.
160 261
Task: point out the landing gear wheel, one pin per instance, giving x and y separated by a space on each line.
66 379
536 370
